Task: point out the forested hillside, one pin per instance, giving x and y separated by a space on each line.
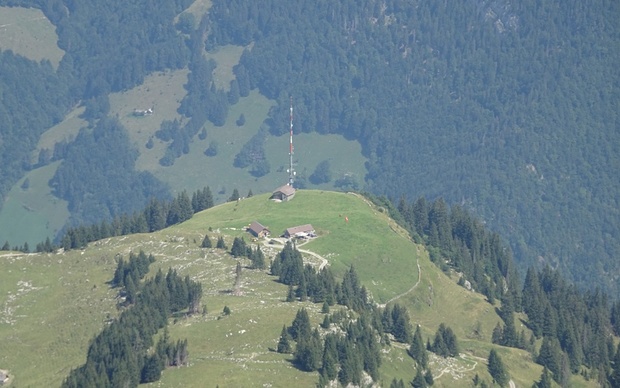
510 108
507 108
109 47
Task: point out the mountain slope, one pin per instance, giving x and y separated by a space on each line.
235 350
506 107
509 108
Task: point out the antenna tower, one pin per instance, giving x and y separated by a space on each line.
291 171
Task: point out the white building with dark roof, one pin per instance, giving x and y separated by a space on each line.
299 231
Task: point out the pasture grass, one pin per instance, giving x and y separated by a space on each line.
163 92
226 58
66 130
199 8
195 170
27 32
33 213
366 241
52 305
345 156
438 299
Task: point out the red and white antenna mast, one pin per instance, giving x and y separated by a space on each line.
291 171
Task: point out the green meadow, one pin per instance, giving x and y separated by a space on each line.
27 32
32 211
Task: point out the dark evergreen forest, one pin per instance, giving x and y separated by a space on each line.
507 108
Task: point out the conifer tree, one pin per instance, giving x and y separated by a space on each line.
301 325
221 244
258 258
417 350
532 296
239 247
397 383
234 196
386 319
418 381
428 376
550 356
498 334
155 215
207 197
497 370
290 295
329 365
152 369
308 351
614 377
445 343
401 325
350 364
237 286
130 289
330 357
545 380
509 335
206 242
284 344
302 290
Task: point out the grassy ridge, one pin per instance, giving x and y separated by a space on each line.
367 241
53 304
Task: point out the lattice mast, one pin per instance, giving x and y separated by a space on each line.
291 171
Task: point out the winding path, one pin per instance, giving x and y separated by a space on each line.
409 290
323 260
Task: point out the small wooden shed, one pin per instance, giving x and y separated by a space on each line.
258 230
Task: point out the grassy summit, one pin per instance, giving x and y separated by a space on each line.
369 240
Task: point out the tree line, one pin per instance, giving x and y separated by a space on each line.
156 216
575 325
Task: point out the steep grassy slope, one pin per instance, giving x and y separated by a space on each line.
53 304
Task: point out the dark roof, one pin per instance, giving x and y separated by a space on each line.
299 229
256 227
286 190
